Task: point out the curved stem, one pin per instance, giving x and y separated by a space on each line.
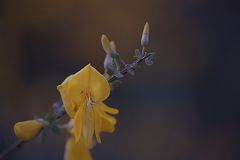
113 77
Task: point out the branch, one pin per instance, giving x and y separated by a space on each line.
14 146
126 70
62 112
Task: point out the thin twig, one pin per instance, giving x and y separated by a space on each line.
14 146
124 71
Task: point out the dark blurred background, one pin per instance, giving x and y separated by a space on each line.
184 107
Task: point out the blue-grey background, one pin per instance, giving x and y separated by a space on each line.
184 107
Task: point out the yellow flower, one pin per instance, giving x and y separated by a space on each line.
82 95
27 130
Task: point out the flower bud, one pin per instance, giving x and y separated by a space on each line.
105 43
108 62
27 130
112 47
145 35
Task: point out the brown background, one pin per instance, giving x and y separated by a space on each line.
184 107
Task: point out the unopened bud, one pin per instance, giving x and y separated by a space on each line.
27 130
145 35
108 63
105 43
112 47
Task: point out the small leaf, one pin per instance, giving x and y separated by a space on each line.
119 74
135 66
131 71
58 109
149 60
116 83
131 68
152 53
49 117
138 54
43 135
55 129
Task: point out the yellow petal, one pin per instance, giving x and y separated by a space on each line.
107 126
76 151
72 94
78 122
27 130
97 123
98 85
107 109
105 43
107 116
108 122
87 82
67 102
88 128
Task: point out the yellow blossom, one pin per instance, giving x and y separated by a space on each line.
27 130
82 95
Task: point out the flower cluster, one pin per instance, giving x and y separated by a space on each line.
82 97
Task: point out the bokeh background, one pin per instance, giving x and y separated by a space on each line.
184 107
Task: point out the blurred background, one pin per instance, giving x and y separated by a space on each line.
184 107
